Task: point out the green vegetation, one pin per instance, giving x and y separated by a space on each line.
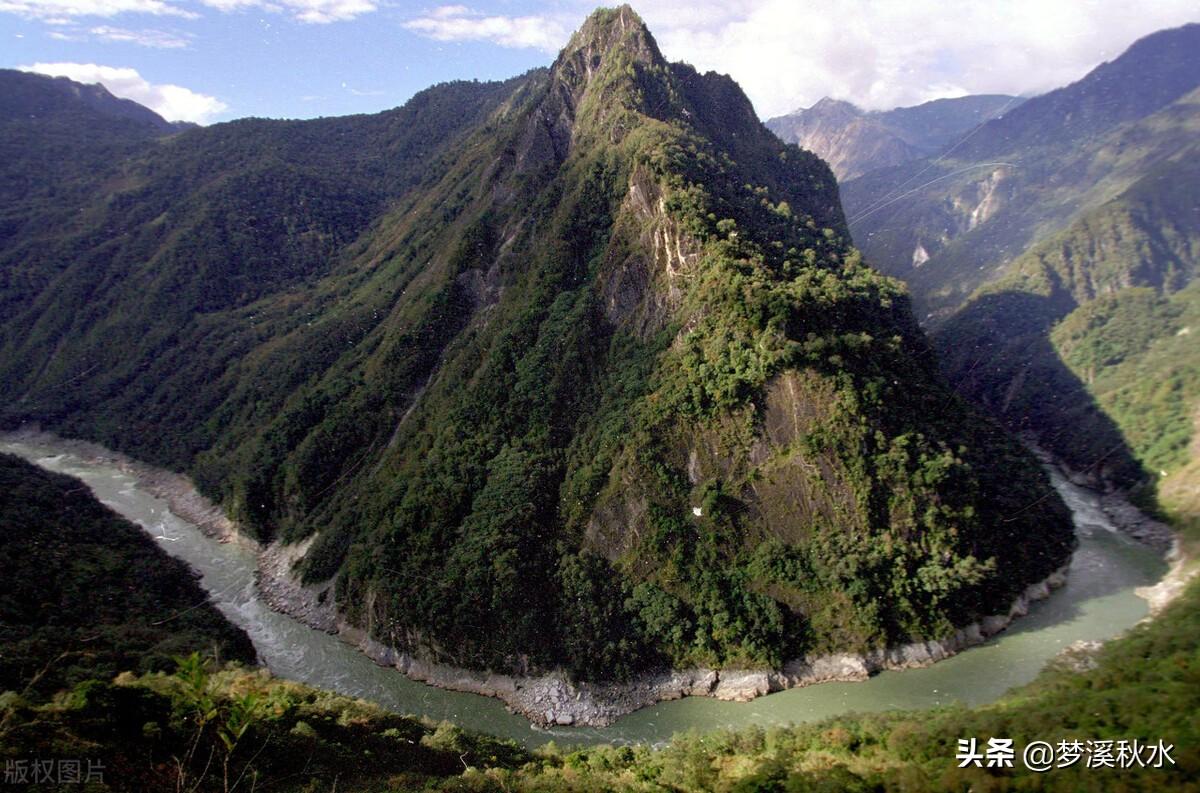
1142 686
1017 181
226 729
87 594
1088 344
202 728
188 723
1134 351
496 348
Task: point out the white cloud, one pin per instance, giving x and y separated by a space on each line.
155 39
312 11
172 102
459 23
62 11
881 54
877 53
65 11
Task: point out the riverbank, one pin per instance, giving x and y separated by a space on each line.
1134 523
552 699
549 699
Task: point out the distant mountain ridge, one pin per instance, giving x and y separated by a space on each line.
949 224
1054 254
854 141
30 95
1152 73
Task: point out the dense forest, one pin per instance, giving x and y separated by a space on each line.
140 710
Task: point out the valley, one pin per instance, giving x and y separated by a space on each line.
579 431
1096 602
577 372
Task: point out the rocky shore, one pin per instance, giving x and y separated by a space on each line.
552 699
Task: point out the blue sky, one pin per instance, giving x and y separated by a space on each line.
212 60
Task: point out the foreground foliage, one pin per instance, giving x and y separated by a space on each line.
206 729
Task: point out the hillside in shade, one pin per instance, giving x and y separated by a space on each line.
1054 254
86 594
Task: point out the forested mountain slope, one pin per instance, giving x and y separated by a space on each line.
576 370
1088 344
1054 253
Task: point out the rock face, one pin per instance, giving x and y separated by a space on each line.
1136 523
1183 570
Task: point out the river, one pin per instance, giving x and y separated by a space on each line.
1098 602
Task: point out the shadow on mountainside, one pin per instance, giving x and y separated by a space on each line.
997 353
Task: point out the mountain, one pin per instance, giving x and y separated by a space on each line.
854 141
24 95
60 141
1054 253
574 371
951 224
1086 344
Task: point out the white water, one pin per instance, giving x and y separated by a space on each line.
1098 602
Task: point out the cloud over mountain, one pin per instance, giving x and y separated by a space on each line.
172 102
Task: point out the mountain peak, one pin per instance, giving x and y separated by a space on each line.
828 104
607 31
607 60
28 95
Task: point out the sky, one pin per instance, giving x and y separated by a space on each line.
214 60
